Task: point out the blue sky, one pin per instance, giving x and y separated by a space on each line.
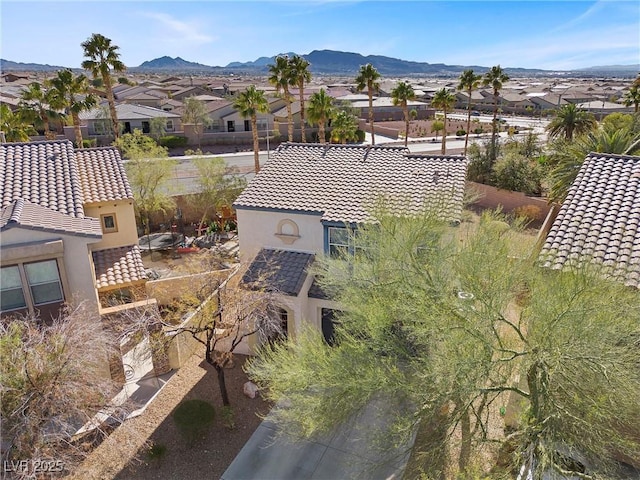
532 34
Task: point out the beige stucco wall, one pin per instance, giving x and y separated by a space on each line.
78 278
258 229
127 233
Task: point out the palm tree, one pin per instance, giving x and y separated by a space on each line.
249 103
445 100
71 94
368 78
320 110
102 56
402 95
299 71
632 97
344 127
469 81
280 77
14 125
34 100
494 78
570 121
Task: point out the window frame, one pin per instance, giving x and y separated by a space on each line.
19 287
27 286
57 280
103 224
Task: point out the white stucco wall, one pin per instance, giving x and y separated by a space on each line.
258 229
77 277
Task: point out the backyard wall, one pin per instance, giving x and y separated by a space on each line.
508 201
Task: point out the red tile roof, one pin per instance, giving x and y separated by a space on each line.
118 267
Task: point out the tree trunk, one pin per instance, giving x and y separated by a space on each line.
373 136
406 121
112 105
289 115
304 138
466 138
76 129
256 143
223 386
465 446
444 134
494 128
321 133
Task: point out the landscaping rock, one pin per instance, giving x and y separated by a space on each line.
250 389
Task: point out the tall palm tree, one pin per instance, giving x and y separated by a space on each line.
320 110
299 71
469 81
401 95
14 125
102 57
632 97
70 93
368 78
34 100
494 78
249 103
280 77
445 100
570 121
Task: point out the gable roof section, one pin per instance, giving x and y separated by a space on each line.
102 175
116 267
345 183
281 270
43 173
26 215
600 219
129 111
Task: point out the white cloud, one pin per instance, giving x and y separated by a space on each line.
180 32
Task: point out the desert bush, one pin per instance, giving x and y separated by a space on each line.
173 141
517 173
461 132
528 212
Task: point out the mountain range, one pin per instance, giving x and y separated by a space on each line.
330 62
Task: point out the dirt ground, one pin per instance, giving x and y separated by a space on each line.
209 456
422 128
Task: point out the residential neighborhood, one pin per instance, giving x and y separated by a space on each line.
319 266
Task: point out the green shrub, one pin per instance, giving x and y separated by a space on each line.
89 143
173 141
360 135
228 417
193 418
461 133
517 173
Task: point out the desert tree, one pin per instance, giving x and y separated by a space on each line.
218 186
468 82
300 74
150 173
320 111
401 95
102 57
195 112
157 127
495 78
249 104
280 77
368 77
461 327
54 377
445 100
71 93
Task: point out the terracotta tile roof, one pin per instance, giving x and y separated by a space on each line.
44 173
102 175
600 219
282 270
24 214
344 183
116 267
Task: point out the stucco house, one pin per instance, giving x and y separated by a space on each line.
67 228
130 117
306 197
599 222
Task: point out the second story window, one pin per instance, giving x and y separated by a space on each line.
109 224
338 241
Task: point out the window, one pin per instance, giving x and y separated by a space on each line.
109 224
169 126
231 126
30 284
44 282
338 241
146 127
247 126
328 319
11 294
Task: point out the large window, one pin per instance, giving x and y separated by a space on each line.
44 282
30 284
338 241
11 294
